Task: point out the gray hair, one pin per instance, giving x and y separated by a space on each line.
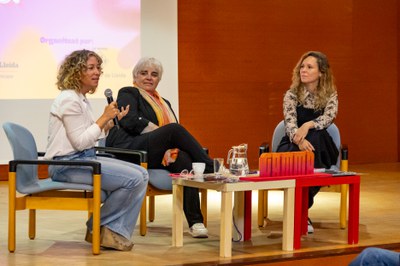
145 62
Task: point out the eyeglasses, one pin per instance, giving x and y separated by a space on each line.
186 173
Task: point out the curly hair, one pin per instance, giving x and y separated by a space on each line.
326 84
71 69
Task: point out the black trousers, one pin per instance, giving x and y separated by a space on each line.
312 192
176 136
284 146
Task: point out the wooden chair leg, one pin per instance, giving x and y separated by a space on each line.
11 231
266 206
151 208
265 211
344 166
143 217
32 224
260 208
203 205
11 211
96 223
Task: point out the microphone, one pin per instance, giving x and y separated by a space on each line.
108 94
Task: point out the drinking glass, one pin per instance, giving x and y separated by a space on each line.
218 166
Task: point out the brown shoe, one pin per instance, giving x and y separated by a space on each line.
110 239
88 236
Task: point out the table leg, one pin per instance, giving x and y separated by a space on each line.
177 216
288 219
239 215
354 213
242 215
225 249
304 214
298 217
247 215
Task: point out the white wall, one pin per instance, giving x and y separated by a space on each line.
159 35
159 39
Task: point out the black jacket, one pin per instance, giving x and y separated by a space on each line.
138 117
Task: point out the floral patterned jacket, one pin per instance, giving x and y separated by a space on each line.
290 102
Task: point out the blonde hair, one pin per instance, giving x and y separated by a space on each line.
326 85
71 69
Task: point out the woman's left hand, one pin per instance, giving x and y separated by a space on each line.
123 112
305 145
302 132
120 115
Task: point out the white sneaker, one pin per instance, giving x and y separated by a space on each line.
198 230
310 229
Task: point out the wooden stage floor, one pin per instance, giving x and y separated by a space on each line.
60 235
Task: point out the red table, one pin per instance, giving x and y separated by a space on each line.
301 203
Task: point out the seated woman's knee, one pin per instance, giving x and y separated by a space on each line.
174 126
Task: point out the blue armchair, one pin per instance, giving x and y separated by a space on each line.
46 194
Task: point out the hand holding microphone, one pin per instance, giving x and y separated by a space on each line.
108 94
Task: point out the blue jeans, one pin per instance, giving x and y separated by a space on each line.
124 183
376 257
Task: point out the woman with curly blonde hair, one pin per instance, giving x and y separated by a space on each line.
73 133
73 68
309 107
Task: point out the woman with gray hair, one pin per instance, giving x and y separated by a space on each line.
151 125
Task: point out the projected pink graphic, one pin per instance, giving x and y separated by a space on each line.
37 35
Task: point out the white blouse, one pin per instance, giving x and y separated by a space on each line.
72 127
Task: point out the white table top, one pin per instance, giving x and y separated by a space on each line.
234 186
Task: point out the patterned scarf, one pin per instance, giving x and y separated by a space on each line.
164 116
163 112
